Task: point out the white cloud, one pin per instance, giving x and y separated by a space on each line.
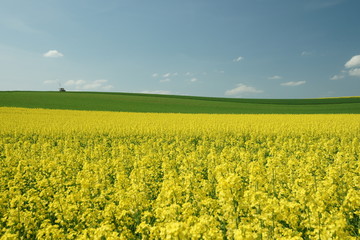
193 80
157 92
242 88
189 74
165 80
275 77
352 69
101 81
93 85
353 62
293 84
337 77
305 53
100 84
53 54
50 81
238 59
166 75
74 82
355 72
107 87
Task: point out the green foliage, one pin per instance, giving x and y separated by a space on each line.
127 102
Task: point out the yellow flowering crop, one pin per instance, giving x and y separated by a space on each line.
106 175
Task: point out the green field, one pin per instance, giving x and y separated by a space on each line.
131 102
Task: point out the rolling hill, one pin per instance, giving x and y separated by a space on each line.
134 102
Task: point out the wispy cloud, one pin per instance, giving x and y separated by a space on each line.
53 54
352 68
337 77
75 82
165 80
293 84
181 76
50 81
242 89
166 75
97 84
275 77
305 53
17 24
157 92
100 84
354 72
219 71
238 59
353 62
107 87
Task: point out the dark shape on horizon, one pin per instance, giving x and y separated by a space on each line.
62 90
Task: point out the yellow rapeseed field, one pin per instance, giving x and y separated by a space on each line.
106 175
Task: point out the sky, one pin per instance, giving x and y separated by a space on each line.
214 48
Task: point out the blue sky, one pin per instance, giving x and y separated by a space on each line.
227 48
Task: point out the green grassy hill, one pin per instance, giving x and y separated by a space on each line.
131 102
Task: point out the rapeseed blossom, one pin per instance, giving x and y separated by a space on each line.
106 175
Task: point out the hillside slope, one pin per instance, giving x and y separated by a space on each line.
132 102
